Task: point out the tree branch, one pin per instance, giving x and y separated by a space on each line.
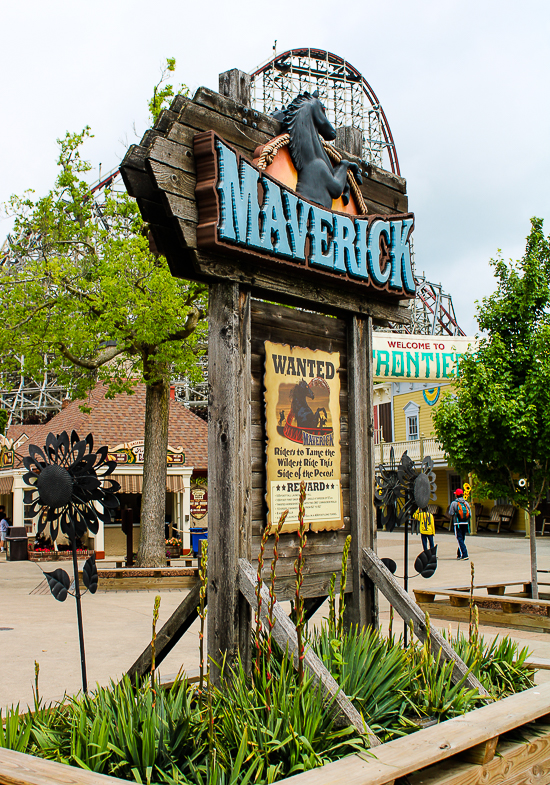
91 365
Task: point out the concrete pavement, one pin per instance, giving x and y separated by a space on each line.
117 624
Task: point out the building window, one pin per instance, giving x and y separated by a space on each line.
412 427
412 412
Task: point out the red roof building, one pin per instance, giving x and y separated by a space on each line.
118 423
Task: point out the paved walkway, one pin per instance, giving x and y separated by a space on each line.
117 624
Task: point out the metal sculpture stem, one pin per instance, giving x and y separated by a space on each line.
79 611
406 573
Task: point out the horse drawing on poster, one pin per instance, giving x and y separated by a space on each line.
301 412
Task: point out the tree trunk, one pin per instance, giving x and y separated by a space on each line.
533 544
151 551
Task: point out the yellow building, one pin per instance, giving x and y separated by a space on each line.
403 413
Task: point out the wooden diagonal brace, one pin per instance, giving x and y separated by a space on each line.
171 632
284 633
409 611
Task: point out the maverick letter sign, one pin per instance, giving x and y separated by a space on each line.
242 209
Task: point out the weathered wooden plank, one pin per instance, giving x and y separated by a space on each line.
228 469
172 180
180 156
410 611
308 322
313 586
16 768
170 633
237 133
284 633
225 105
186 209
386 178
408 754
296 291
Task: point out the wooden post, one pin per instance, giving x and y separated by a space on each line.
361 603
350 140
229 471
235 84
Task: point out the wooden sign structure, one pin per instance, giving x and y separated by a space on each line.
340 277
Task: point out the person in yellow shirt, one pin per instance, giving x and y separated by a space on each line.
427 528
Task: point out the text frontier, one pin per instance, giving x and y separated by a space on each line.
283 222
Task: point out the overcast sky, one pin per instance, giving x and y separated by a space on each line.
464 86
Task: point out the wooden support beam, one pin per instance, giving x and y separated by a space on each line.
171 632
361 603
284 633
235 84
350 140
481 753
229 471
409 611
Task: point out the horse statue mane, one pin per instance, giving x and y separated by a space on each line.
305 121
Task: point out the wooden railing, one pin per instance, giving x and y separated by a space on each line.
416 449
467 750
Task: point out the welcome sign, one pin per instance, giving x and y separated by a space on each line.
418 357
244 210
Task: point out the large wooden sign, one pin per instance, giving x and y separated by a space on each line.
290 387
280 226
302 405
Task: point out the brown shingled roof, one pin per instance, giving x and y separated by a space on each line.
121 419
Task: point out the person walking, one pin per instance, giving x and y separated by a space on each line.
4 525
460 513
427 528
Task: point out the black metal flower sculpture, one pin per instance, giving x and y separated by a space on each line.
388 493
419 486
71 491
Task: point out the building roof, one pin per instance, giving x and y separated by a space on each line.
118 420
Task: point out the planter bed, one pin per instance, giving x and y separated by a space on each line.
42 556
472 749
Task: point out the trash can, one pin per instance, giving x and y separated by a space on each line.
197 534
16 540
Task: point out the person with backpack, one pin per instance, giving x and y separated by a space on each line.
460 518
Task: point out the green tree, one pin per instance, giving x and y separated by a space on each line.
88 294
496 423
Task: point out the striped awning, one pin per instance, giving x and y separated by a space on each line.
6 484
133 483
174 483
129 483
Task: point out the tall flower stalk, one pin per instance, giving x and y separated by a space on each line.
299 571
343 581
201 608
332 605
156 608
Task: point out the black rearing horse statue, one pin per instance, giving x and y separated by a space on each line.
318 180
